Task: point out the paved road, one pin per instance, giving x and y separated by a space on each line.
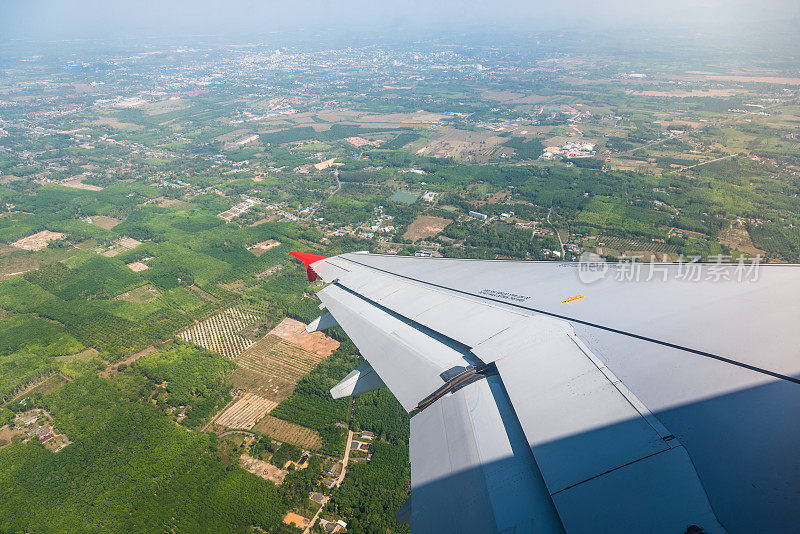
650 143
709 161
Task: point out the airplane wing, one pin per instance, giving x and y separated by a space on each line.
576 397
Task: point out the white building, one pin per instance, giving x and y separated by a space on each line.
477 215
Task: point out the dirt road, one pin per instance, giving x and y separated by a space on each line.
338 480
346 457
316 516
561 243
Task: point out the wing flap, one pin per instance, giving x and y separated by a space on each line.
591 437
470 470
362 379
577 422
408 360
658 494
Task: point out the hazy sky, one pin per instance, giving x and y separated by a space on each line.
71 19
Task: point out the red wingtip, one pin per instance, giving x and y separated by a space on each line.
307 260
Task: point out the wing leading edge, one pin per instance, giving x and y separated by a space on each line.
525 426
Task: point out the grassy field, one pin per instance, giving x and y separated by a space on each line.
14 261
141 294
105 222
46 386
404 197
289 433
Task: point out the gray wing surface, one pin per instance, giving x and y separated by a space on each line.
551 401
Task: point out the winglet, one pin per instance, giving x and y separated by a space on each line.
307 260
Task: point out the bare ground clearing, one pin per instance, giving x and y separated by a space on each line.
245 412
38 240
105 222
272 367
274 364
471 146
165 106
115 123
260 248
509 97
128 242
297 520
77 183
137 266
295 332
170 202
754 78
263 469
425 226
737 238
145 293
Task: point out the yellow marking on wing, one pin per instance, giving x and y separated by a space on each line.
573 299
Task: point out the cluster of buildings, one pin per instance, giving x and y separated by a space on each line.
386 229
331 478
58 111
428 253
274 108
238 209
569 150
359 142
38 424
380 223
331 526
556 109
364 445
